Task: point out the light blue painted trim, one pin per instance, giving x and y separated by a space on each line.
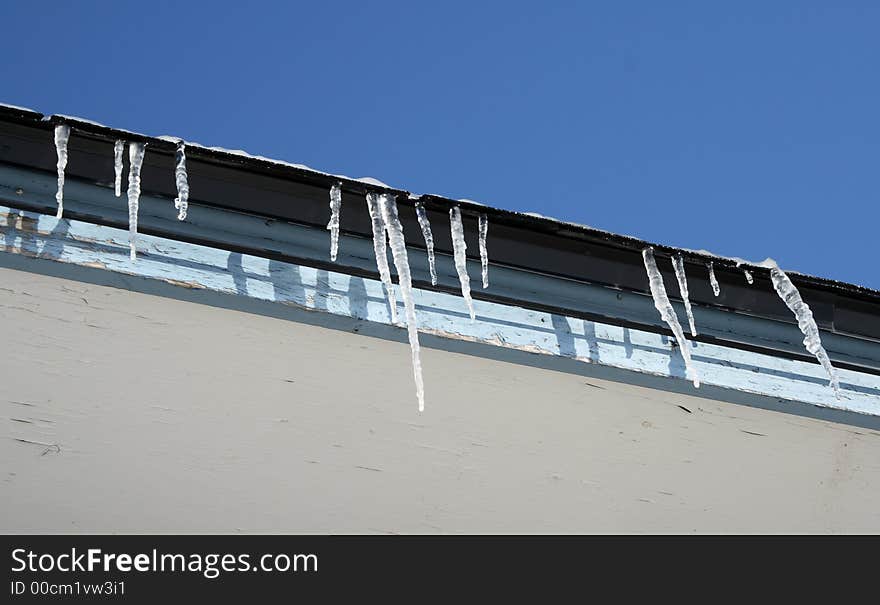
242 230
195 266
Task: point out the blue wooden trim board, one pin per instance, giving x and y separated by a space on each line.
34 190
444 315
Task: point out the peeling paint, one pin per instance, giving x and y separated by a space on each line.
193 266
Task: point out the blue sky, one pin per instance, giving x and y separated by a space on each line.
746 128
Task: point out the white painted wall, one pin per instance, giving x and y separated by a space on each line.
126 412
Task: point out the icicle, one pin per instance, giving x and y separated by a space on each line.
381 252
388 208
62 134
459 249
813 343
333 225
422 215
716 289
749 277
118 150
181 202
484 253
136 157
667 312
681 276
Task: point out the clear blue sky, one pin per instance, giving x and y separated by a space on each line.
750 129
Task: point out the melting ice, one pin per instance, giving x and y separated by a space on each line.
459 249
181 202
681 276
388 208
62 135
422 215
792 298
380 250
484 253
333 225
118 150
716 289
136 157
667 312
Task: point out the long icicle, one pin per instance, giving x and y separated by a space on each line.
788 292
181 202
667 312
118 150
388 207
681 277
459 249
62 135
425 224
333 225
136 157
484 251
380 249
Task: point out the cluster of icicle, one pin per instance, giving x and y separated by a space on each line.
667 312
781 283
388 232
383 212
136 152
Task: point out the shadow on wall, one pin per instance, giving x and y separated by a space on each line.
287 284
22 228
